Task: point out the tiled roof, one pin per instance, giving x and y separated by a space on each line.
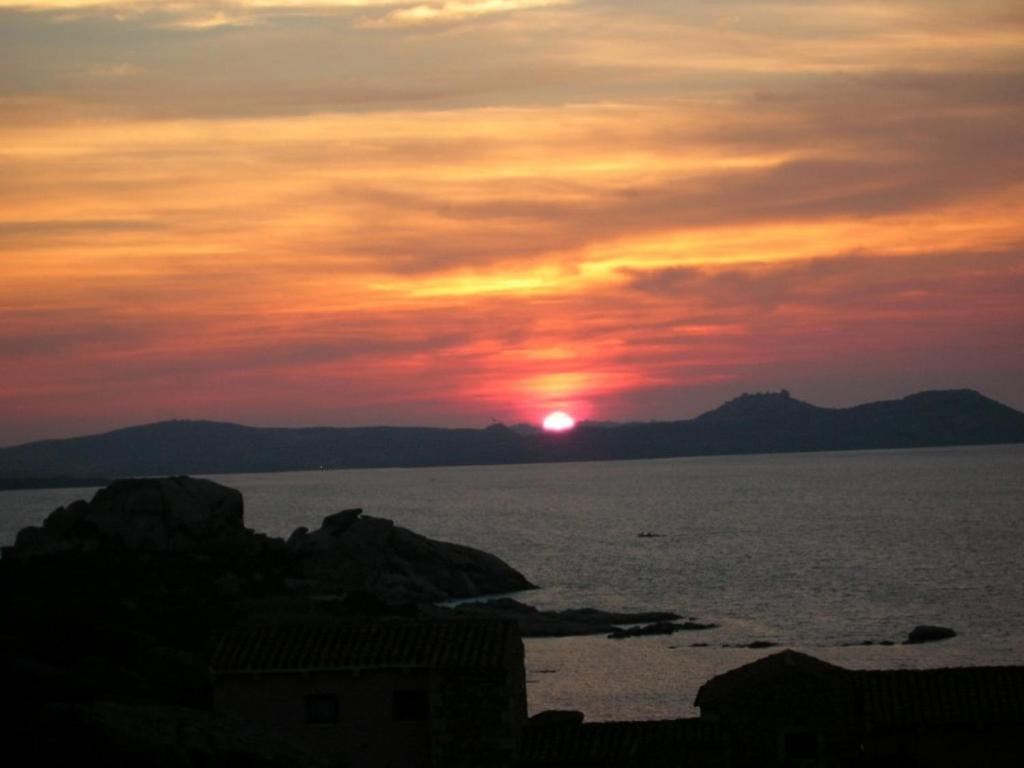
613 743
469 644
942 696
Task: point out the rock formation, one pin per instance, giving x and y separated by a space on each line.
172 514
199 519
352 551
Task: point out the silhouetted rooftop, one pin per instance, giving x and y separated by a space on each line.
888 697
739 681
363 645
942 696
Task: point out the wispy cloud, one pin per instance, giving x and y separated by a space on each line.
448 11
206 14
489 209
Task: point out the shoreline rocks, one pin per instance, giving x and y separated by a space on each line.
923 633
660 628
572 622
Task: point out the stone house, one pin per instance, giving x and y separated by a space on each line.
790 709
785 709
381 694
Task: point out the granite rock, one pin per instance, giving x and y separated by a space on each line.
171 514
352 551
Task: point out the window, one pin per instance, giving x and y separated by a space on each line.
801 745
412 705
321 708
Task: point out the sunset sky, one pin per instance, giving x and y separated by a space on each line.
351 212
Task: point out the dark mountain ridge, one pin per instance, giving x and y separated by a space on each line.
771 422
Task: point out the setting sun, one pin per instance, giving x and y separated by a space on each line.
559 421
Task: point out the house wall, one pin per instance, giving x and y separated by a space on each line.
759 720
366 734
484 714
481 725
475 717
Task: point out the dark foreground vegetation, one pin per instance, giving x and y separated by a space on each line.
759 423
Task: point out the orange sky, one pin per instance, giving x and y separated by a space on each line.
287 212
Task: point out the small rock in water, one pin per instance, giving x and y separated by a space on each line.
692 625
659 628
928 634
756 644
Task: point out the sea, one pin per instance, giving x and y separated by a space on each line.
817 552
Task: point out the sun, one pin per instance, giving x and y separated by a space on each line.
558 421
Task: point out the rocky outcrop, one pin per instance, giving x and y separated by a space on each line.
166 515
352 551
200 520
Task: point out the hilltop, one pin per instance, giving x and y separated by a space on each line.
772 422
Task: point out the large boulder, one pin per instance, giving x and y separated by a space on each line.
351 551
171 514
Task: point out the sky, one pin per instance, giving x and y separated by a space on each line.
450 212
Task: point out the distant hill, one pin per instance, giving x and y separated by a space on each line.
770 422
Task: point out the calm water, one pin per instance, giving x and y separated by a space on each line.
806 550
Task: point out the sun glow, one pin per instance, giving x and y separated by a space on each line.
559 421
